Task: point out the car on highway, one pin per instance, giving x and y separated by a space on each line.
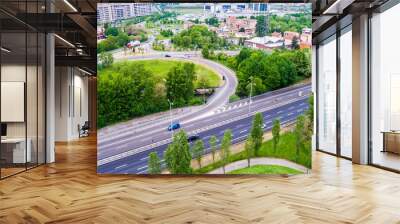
192 138
174 126
167 56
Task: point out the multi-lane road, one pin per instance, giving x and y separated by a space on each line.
130 151
121 138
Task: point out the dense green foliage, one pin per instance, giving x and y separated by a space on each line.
113 42
213 146
225 148
213 21
257 132
180 83
249 149
113 31
276 129
154 164
299 133
261 26
131 89
126 90
270 71
105 60
266 169
166 33
177 156
198 36
198 151
293 22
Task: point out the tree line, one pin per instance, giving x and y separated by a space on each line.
265 71
116 39
128 90
197 37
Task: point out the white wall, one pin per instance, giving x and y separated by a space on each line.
71 94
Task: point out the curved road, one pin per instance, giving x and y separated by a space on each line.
120 138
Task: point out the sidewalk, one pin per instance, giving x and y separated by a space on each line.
259 161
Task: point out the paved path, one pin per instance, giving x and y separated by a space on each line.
260 161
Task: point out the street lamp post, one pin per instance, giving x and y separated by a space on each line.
251 90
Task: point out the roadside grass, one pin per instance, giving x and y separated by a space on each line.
160 69
233 98
286 149
266 169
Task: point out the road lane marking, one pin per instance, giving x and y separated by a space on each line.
143 148
243 131
141 168
119 167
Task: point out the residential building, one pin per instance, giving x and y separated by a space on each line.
111 12
266 43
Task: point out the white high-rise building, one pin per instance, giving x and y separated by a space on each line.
110 12
255 8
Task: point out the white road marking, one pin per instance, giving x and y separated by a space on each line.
119 167
280 112
290 114
144 158
141 168
243 131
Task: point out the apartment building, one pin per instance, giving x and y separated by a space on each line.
107 12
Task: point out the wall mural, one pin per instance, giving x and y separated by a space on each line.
204 88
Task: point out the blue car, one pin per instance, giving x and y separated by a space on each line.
173 126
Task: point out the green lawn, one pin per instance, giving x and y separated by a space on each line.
286 150
266 169
160 69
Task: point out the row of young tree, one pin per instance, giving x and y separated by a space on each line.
265 71
127 90
179 154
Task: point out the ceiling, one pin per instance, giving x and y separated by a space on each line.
330 15
74 22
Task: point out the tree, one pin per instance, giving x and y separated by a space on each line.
205 52
257 132
203 81
213 21
112 31
154 166
276 128
295 43
213 146
179 83
225 148
106 59
299 134
261 26
177 156
310 118
249 147
241 29
198 151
